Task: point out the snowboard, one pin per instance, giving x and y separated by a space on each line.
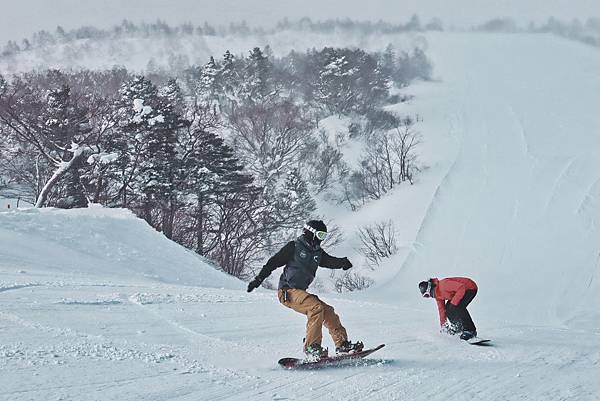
337 360
478 341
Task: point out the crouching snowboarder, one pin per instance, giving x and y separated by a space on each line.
452 295
301 259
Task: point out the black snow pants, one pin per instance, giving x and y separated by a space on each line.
459 316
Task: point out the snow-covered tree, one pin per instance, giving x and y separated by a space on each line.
258 84
270 137
388 62
412 66
3 85
350 80
45 113
210 172
293 201
210 85
150 123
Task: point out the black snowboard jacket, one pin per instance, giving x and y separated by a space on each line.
301 261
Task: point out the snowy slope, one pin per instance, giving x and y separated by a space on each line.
518 208
110 243
509 199
97 340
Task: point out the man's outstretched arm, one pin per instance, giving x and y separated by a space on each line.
331 262
284 255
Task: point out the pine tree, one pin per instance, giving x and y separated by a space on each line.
3 85
162 167
66 124
66 127
388 62
229 81
71 194
65 121
335 82
258 83
209 82
211 172
134 110
172 94
294 201
150 125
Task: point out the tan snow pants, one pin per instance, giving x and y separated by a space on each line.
318 314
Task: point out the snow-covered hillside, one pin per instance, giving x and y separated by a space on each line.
518 207
94 305
109 243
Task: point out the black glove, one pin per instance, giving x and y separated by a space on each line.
347 264
254 284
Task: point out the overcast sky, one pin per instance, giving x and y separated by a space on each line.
20 18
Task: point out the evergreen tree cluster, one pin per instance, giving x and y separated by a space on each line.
331 80
222 159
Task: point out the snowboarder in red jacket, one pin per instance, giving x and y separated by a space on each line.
452 295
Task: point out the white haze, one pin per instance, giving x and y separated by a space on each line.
21 19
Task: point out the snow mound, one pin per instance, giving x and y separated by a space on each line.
99 241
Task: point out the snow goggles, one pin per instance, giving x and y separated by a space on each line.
321 235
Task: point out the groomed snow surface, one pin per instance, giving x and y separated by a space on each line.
94 305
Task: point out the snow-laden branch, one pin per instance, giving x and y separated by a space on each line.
62 169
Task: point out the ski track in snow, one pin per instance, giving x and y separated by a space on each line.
220 349
16 287
561 175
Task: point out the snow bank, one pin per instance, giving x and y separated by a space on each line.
103 242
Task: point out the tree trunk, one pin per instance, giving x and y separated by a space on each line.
99 184
62 169
168 216
200 227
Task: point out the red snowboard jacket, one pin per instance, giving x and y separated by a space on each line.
450 289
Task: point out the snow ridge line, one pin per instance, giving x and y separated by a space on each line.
18 287
587 197
522 134
563 172
431 206
196 337
197 365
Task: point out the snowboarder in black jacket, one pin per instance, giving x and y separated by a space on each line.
301 258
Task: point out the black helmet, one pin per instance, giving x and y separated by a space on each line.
426 287
315 231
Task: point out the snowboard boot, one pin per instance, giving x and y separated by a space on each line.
315 352
467 335
348 347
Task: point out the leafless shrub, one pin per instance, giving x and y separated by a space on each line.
378 242
389 159
269 137
325 160
352 281
404 145
334 236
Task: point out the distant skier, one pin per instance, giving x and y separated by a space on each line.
301 259
452 295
